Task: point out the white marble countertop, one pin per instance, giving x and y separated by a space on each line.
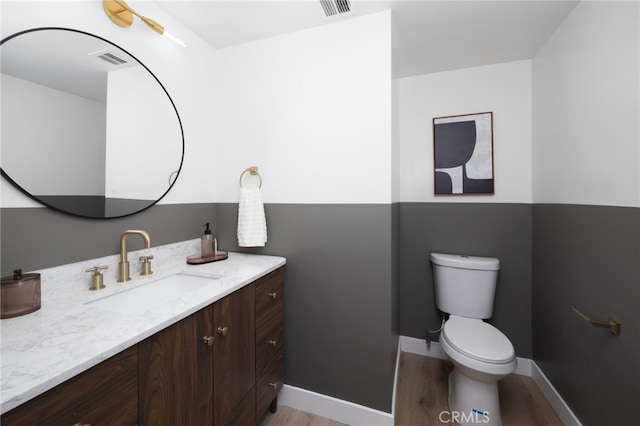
68 335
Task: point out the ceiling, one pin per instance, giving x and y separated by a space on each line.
79 69
427 36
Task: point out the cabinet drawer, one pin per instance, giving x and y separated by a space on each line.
106 394
268 387
270 293
269 340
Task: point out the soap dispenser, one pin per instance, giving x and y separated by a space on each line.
208 242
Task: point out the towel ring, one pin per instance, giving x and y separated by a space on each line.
253 170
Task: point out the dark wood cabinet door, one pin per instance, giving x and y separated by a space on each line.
244 414
106 394
176 374
234 350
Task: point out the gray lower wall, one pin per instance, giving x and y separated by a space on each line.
339 299
359 275
588 256
481 229
37 238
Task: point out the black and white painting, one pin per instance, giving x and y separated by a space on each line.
463 154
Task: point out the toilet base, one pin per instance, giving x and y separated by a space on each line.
472 402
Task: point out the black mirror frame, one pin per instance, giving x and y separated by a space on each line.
24 191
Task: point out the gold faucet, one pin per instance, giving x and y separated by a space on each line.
123 266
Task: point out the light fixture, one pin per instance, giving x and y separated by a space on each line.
121 14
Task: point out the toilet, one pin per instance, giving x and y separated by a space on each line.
481 354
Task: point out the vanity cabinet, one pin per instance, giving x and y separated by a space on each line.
106 394
222 365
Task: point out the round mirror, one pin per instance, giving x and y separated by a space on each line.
87 129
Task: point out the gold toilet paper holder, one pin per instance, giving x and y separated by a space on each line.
614 326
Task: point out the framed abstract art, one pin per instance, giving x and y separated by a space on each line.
463 154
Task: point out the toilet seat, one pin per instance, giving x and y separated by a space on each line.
478 340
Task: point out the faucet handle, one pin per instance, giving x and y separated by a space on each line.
146 265
97 280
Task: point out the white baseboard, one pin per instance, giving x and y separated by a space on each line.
560 407
395 381
333 408
359 415
419 347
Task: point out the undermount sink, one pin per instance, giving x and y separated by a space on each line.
155 293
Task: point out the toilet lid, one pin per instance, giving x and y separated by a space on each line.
478 339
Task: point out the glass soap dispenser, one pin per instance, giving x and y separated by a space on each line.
208 247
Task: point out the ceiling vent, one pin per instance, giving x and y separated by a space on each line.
335 7
107 56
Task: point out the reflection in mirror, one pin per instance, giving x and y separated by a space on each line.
87 129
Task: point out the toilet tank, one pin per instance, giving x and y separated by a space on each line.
465 285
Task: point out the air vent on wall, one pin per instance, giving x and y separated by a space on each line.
335 7
107 56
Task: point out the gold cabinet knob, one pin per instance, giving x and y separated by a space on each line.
208 340
273 294
273 342
223 330
273 385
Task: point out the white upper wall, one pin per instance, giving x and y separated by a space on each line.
188 74
586 93
311 109
504 89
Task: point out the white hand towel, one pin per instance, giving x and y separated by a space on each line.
252 223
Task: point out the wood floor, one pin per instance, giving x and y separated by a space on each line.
287 416
422 396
